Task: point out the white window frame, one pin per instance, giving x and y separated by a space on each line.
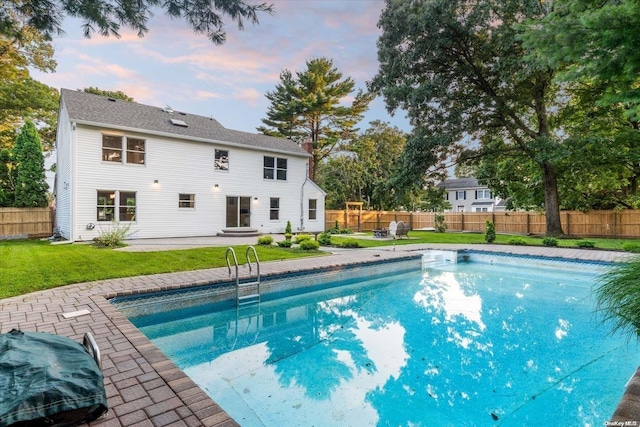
313 210
220 161
483 194
119 210
121 152
460 193
186 201
277 172
274 210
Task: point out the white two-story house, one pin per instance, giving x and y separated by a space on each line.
167 173
466 195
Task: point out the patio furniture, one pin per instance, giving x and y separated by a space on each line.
401 230
383 232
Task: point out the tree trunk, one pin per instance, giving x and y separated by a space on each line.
551 201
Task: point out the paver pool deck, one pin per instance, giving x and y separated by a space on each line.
143 387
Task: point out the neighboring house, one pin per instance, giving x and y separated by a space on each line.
466 195
172 174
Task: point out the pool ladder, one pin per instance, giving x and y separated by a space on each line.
246 292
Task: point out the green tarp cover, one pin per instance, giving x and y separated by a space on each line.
48 380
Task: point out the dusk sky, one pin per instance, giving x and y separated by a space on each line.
172 66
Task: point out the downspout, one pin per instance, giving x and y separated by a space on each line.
306 178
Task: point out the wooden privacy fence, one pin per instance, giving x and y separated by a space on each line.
21 223
614 224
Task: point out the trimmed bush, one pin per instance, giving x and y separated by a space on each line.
489 232
550 241
309 245
324 239
587 244
517 242
287 229
302 237
350 243
285 244
265 240
346 231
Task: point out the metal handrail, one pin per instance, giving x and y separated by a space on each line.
90 344
255 255
235 261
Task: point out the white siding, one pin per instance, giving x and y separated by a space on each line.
64 171
184 167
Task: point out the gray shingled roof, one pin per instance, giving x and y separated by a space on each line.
87 108
459 183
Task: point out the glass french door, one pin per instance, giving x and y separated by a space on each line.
238 211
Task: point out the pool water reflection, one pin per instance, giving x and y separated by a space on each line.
463 344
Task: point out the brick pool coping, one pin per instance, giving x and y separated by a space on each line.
144 388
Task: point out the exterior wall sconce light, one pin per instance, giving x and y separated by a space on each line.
255 199
155 181
215 185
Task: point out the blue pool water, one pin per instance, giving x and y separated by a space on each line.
490 340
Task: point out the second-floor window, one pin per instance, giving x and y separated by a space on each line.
113 147
483 194
461 195
275 168
221 162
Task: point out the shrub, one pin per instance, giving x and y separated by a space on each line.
346 231
336 226
550 241
631 247
113 237
586 244
287 229
285 243
350 243
439 224
302 237
309 245
324 239
489 231
517 241
616 294
333 231
265 240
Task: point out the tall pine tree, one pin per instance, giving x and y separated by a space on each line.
307 108
31 186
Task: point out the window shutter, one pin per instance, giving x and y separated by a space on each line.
476 194
464 195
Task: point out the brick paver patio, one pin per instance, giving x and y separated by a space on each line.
143 387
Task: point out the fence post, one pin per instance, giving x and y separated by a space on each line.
528 226
411 220
461 221
568 226
613 223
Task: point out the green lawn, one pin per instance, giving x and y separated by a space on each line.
478 238
27 266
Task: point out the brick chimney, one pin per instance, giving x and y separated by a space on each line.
307 146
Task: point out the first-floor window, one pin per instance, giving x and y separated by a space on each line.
106 205
114 205
274 210
313 209
187 201
482 210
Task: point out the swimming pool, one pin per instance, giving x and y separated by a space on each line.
492 340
